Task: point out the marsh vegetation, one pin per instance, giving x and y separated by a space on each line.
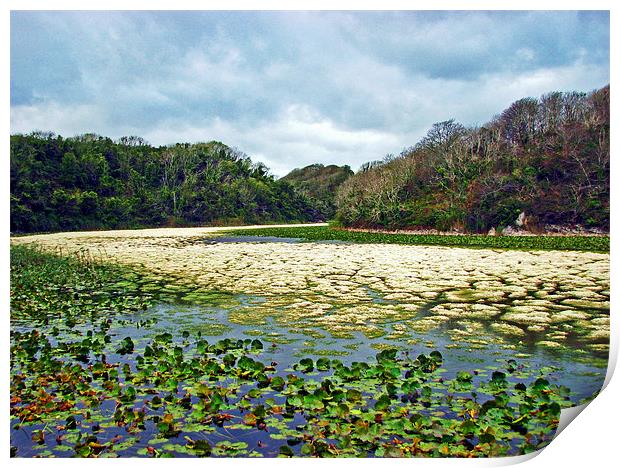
167 342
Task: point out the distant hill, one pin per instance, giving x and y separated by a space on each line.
320 184
93 182
541 164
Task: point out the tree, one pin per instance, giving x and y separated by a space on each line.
519 121
89 203
441 137
548 157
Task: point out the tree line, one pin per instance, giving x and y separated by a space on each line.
546 157
92 182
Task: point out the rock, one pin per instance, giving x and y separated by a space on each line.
573 230
509 230
491 232
520 221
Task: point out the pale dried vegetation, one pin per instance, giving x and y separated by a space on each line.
376 289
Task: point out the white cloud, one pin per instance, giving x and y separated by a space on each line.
66 120
525 53
299 136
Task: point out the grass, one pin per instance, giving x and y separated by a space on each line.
64 292
325 233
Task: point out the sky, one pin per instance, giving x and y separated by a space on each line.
292 88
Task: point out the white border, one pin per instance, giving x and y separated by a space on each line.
589 441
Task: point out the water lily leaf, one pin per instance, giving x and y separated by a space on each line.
468 427
342 410
323 364
383 403
487 436
436 357
229 360
392 451
294 400
126 346
62 448
354 395
285 451
540 384
250 419
38 436
305 365
70 422
254 393
312 402
128 395
277 383
259 411
245 363
387 355
201 447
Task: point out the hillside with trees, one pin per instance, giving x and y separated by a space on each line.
547 158
320 184
93 182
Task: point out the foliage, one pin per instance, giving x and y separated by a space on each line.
78 388
92 182
324 233
547 157
399 407
46 286
320 183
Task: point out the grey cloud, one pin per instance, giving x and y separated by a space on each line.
458 45
235 76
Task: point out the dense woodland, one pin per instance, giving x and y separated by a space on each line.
92 182
547 157
320 184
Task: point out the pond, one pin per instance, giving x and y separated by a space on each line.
238 239
582 374
527 315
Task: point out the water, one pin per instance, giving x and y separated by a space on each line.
287 346
564 367
235 239
266 240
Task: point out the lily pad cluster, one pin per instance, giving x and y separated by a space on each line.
186 396
81 388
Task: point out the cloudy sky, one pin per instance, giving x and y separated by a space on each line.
292 88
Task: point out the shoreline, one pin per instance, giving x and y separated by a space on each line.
511 233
